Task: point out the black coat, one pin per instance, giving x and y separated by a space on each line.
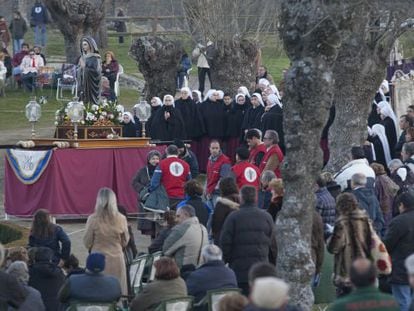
399 241
194 123
246 238
234 120
168 130
47 278
149 122
158 242
129 129
273 120
252 118
391 133
192 161
200 207
211 275
379 150
214 118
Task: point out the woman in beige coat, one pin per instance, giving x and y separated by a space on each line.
107 233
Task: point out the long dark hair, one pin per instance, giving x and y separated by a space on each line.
42 227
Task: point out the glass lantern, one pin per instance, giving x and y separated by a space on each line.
75 113
33 113
143 112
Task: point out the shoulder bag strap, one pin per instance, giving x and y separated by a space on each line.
201 244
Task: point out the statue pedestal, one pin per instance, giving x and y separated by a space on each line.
87 132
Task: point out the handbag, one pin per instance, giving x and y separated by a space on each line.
379 254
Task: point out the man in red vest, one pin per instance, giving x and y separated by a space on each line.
256 147
273 156
218 167
172 173
244 172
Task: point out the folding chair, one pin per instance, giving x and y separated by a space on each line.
156 256
136 272
67 81
176 304
92 306
117 89
45 76
213 297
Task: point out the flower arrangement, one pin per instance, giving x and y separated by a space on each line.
105 113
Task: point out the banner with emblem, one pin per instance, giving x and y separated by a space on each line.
28 165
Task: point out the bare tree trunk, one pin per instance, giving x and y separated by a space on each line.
76 18
158 60
102 35
243 68
311 42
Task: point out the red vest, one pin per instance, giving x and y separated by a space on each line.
274 150
246 174
174 175
255 152
213 172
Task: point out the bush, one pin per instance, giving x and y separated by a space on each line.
13 235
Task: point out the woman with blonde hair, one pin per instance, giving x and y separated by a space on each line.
107 232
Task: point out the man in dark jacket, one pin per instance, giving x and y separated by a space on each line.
399 241
368 201
184 153
213 274
46 277
245 242
92 286
325 205
38 20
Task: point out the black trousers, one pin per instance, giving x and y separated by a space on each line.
202 78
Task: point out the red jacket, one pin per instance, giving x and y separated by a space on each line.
174 173
213 172
246 174
256 154
274 150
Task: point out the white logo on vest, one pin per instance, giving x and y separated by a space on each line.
176 169
38 9
250 174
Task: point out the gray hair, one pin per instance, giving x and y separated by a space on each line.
273 135
188 209
19 270
267 176
394 164
269 293
408 148
359 179
2 254
211 252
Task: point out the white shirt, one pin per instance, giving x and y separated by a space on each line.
27 62
3 71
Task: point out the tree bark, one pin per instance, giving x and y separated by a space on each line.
311 42
158 61
76 18
242 71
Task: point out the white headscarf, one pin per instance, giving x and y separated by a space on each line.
199 95
172 98
379 130
244 90
187 89
275 91
386 110
239 95
385 86
158 100
259 98
131 118
221 94
264 81
272 98
209 93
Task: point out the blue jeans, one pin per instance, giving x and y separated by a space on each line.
403 295
17 45
40 35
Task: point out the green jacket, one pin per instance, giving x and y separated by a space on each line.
367 298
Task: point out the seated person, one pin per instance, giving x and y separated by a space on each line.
29 68
7 62
71 266
213 274
18 58
110 68
3 72
106 90
184 66
93 285
38 51
167 285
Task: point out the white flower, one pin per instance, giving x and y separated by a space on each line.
105 103
110 116
90 116
57 112
66 110
101 118
94 107
119 108
56 123
57 117
104 113
82 121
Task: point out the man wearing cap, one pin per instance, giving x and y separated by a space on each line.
184 153
93 285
